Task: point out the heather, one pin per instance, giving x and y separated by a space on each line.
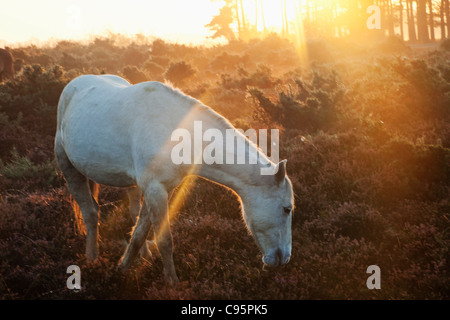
364 127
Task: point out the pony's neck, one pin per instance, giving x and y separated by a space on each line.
234 175
238 176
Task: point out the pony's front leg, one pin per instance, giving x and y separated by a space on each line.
154 210
134 197
138 237
163 236
156 198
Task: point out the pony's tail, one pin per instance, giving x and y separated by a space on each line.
80 228
95 190
79 224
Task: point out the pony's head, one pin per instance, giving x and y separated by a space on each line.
268 214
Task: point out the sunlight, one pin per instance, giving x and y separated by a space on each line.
179 195
269 14
182 191
174 20
300 38
284 17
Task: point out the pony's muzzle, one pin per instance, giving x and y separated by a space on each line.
276 258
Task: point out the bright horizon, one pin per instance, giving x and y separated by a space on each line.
45 22
181 21
25 21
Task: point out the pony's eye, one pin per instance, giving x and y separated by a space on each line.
287 210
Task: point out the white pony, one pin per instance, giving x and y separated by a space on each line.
113 133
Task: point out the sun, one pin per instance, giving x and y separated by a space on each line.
284 17
269 15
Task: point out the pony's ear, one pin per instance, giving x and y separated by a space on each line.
280 172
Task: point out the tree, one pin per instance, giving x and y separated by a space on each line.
236 9
402 31
244 25
262 16
447 16
422 26
441 16
220 24
389 17
411 22
415 20
179 72
284 18
431 19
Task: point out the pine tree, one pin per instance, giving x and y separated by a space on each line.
422 26
411 22
220 24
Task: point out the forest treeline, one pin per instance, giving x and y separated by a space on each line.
413 20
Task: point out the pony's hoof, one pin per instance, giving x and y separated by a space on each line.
146 254
172 281
122 267
92 257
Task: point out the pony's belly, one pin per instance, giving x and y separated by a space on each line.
113 169
106 175
114 180
98 152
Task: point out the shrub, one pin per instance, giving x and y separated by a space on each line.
35 85
394 45
160 48
228 62
21 169
261 78
427 91
313 107
445 45
367 142
135 55
179 72
134 75
319 51
153 69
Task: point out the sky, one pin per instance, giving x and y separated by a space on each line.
181 21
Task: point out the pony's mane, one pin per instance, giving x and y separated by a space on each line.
211 114
194 103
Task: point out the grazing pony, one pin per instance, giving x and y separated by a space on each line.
113 133
6 64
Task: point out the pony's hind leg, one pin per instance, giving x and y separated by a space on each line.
80 189
134 197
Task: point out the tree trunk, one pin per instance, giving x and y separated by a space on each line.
411 23
402 31
422 26
285 17
447 16
315 11
441 17
244 26
262 16
390 18
236 8
430 6
256 16
336 19
308 11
